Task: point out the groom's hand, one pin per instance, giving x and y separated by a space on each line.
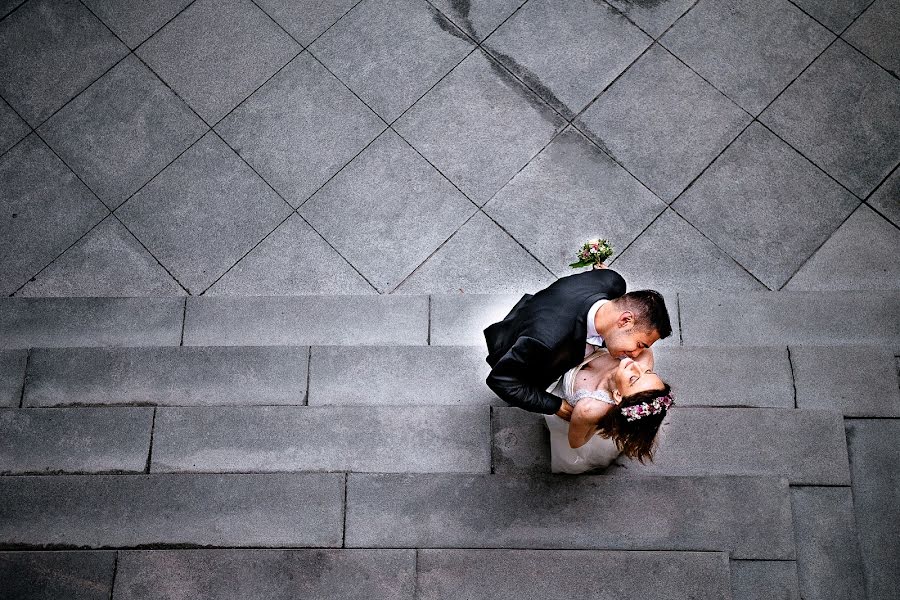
565 411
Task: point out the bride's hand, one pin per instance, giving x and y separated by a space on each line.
601 266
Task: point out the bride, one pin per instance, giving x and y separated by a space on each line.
617 408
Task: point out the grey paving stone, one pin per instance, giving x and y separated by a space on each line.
203 213
805 446
391 52
663 122
272 574
748 516
858 147
479 258
479 126
764 580
108 261
135 20
51 575
886 199
569 193
478 18
389 439
520 441
390 194
397 375
731 376
751 50
300 128
45 209
860 255
292 260
874 460
12 128
12 376
672 254
65 322
524 574
74 440
653 16
306 20
216 52
765 319
567 52
49 52
174 376
835 14
828 558
122 131
461 319
766 205
89 511
306 320
874 33
7 6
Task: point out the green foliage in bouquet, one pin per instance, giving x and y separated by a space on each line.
594 252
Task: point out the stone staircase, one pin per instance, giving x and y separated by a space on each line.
347 447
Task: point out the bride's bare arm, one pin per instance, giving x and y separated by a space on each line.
585 416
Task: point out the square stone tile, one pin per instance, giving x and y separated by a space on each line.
107 262
570 193
653 16
749 49
391 52
860 255
672 255
480 258
202 213
292 260
135 20
306 20
478 18
49 51
765 205
844 114
567 52
764 580
12 128
663 122
834 14
300 128
7 6
12 376
47 575
122 131
479 126
43 210
886 199
875 34
387 211
216 52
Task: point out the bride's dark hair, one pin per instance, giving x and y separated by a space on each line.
634 439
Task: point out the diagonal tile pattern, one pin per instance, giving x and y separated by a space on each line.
133 21
765 205
478 18
12 127
390 196
305 20
874 34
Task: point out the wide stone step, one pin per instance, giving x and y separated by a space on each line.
856 381
81 440
707 319
98 511
805 446
367 439
363 574
749 517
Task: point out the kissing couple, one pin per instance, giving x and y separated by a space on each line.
579 352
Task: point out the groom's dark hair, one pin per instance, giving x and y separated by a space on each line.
649 310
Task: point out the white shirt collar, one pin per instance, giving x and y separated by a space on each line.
593 337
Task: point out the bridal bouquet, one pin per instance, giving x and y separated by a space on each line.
593 253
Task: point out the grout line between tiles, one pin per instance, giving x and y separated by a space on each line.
112 585
793 375
25 378
150 449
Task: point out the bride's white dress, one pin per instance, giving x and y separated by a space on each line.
599 452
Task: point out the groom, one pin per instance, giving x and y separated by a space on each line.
547 334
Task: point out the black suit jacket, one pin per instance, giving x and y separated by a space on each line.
543 336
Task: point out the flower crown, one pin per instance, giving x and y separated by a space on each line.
645 409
